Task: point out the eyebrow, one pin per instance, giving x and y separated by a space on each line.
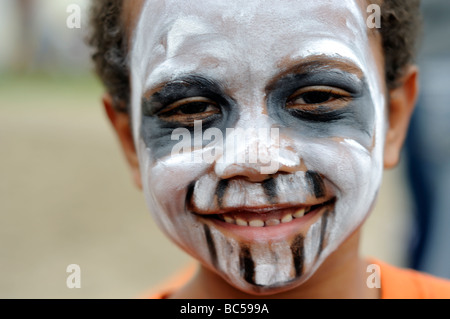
170 91
188 81
315 64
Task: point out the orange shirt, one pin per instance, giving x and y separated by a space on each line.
396 283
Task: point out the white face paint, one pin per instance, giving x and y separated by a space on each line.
248 59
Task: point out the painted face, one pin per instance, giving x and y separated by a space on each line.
300 81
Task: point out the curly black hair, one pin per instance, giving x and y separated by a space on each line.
400 30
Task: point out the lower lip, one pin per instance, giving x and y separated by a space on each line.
278 232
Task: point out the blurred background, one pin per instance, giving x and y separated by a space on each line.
66 195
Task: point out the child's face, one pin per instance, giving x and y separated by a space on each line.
306 72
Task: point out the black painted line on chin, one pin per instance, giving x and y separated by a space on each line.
220 191
247 265
297 249
323 229
211 245
316 183
270 189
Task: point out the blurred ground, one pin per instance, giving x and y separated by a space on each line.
66 197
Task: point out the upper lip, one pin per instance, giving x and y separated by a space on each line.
211 195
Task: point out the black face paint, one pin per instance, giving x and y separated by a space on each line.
220 191
323 229
211 245
355 120
270 189
156 131
189 194
247 265
316 183
297 250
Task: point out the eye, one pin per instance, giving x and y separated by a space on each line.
310 98
191 109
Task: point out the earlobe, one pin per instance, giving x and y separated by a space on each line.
121 124
401 106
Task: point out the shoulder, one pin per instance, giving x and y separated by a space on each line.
165 289
401 283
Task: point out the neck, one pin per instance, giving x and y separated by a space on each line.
342 275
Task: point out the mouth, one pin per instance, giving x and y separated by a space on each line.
267 217
268 221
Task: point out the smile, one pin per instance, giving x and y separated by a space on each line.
267 217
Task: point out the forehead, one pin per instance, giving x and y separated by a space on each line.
272 29
262 15
243 42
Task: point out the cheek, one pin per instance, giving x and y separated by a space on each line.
166 184
356 174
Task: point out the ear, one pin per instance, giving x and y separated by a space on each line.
400 109
121 124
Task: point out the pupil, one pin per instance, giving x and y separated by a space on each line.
192 108
316 97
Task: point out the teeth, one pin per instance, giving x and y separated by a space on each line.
261 223
299 213
272 222
228 219
286 218
241 222
256 223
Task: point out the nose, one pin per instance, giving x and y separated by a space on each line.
256 154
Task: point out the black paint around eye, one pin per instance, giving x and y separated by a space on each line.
286 86
317 119
154 108
355 120
156 126
318 115
185 87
